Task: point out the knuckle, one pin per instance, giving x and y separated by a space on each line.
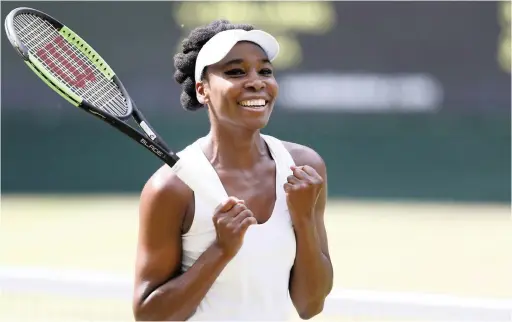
249 214
237 212
309 180
243 215
239 208
233 211
297 187
317 180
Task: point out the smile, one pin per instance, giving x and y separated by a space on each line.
255 104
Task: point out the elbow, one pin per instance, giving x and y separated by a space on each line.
143 312
312 309
140 313
137 316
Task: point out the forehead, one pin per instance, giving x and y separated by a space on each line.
246 51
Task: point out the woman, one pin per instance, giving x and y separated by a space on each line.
238 260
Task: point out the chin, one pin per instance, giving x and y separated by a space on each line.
251 119
259 126
257 123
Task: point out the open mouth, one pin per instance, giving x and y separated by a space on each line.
254 104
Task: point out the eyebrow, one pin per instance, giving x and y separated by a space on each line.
240 61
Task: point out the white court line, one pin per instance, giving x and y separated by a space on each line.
344 302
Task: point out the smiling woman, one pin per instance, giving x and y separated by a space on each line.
268 239
236 75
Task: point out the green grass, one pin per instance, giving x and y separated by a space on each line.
463 250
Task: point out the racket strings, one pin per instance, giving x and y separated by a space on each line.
39 36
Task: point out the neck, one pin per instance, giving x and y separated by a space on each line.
241 149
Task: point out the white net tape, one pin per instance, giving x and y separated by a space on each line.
342 303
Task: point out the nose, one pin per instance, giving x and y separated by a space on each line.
254 82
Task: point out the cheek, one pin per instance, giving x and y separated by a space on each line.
224 99
230 93
223 91
273 87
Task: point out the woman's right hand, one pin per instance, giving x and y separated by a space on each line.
231 220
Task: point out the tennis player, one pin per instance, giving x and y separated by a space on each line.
245 258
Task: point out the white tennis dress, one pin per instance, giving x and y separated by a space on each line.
254 285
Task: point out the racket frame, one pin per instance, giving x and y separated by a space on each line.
150 139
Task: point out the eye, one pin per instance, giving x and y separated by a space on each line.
234 72
266 71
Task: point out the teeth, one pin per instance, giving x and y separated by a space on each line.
249 103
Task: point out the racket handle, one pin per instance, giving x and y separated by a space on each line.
199 180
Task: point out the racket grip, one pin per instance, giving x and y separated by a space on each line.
201 181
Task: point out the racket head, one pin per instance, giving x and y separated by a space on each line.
66 63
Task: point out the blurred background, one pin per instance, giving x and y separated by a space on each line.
407 102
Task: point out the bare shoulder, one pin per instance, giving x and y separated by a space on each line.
304 155
164 190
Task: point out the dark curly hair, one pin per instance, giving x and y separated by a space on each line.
185 61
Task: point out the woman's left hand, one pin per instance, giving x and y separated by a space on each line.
302 191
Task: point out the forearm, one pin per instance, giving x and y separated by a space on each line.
179 298
312 275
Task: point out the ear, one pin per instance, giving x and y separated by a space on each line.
202 92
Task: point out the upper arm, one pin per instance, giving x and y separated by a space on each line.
303 155
163 204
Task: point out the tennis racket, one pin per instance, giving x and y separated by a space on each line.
73 69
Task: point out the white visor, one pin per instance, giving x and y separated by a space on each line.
219 46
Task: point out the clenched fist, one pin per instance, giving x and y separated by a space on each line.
302 191
231 220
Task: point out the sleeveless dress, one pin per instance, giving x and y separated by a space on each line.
254 284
